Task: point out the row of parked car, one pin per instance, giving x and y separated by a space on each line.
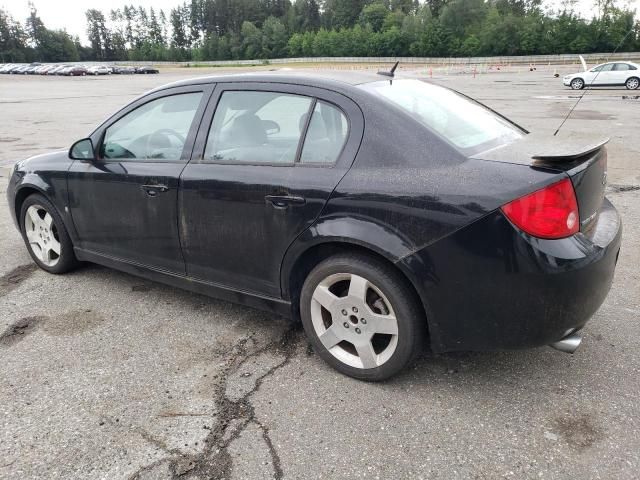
71 70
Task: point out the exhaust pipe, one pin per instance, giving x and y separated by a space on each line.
568 344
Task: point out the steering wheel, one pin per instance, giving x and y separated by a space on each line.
166 132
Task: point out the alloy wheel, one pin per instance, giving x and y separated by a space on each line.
577 84
354 320
633 83
42 235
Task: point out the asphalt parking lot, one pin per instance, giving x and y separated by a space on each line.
105 375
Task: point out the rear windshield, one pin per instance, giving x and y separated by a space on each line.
466 124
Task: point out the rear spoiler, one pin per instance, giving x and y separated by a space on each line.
536 149
569 149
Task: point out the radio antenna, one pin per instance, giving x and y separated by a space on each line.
391 72
594 79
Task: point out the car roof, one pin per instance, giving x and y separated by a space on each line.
331 80
618 61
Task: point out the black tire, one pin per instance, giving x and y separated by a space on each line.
577 84
404 303
67 260
632 83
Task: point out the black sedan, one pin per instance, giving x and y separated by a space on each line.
147 70
383 214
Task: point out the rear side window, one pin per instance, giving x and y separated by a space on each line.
466 124
623 67
326 135
257 127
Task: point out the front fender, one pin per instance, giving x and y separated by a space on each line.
45 174
21 186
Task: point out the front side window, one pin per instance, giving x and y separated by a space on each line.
466 124
257 127
326 135
156 131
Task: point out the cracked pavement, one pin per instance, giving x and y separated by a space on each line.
105 375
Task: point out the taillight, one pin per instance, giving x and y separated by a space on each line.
551 212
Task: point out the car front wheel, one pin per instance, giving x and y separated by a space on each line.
45 235
577 84
632 83
362 317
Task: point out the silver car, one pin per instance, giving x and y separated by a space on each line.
606 74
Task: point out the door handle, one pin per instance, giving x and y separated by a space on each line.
283 201
153 190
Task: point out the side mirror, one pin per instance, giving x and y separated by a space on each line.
82 150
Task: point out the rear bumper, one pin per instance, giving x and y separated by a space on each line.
490 286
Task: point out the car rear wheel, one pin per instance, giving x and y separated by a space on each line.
361 316
632 83
45 235
577 84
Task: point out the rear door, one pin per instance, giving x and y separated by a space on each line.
124 204
263 168
621 72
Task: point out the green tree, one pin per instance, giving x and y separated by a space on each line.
155 29
13 39
251 40
98 34
274 38
374 15
342 13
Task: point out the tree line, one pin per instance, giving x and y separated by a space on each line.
262 29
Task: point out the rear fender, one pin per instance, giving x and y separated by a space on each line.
380 238
364 234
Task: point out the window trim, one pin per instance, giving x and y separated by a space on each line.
276 87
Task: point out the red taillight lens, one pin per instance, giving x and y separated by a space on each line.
548 213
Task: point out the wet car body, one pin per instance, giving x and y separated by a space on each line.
397 191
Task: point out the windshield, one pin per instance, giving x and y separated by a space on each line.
466 124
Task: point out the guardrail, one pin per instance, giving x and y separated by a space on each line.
563 59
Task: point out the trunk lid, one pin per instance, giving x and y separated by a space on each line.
584 159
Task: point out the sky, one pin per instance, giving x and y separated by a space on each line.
69 14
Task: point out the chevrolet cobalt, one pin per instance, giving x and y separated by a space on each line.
385 214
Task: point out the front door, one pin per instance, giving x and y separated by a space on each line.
124 204
263 170
605 75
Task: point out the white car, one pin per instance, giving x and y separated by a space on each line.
99 70
606 74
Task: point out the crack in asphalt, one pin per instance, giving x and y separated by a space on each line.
233 416
614 188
